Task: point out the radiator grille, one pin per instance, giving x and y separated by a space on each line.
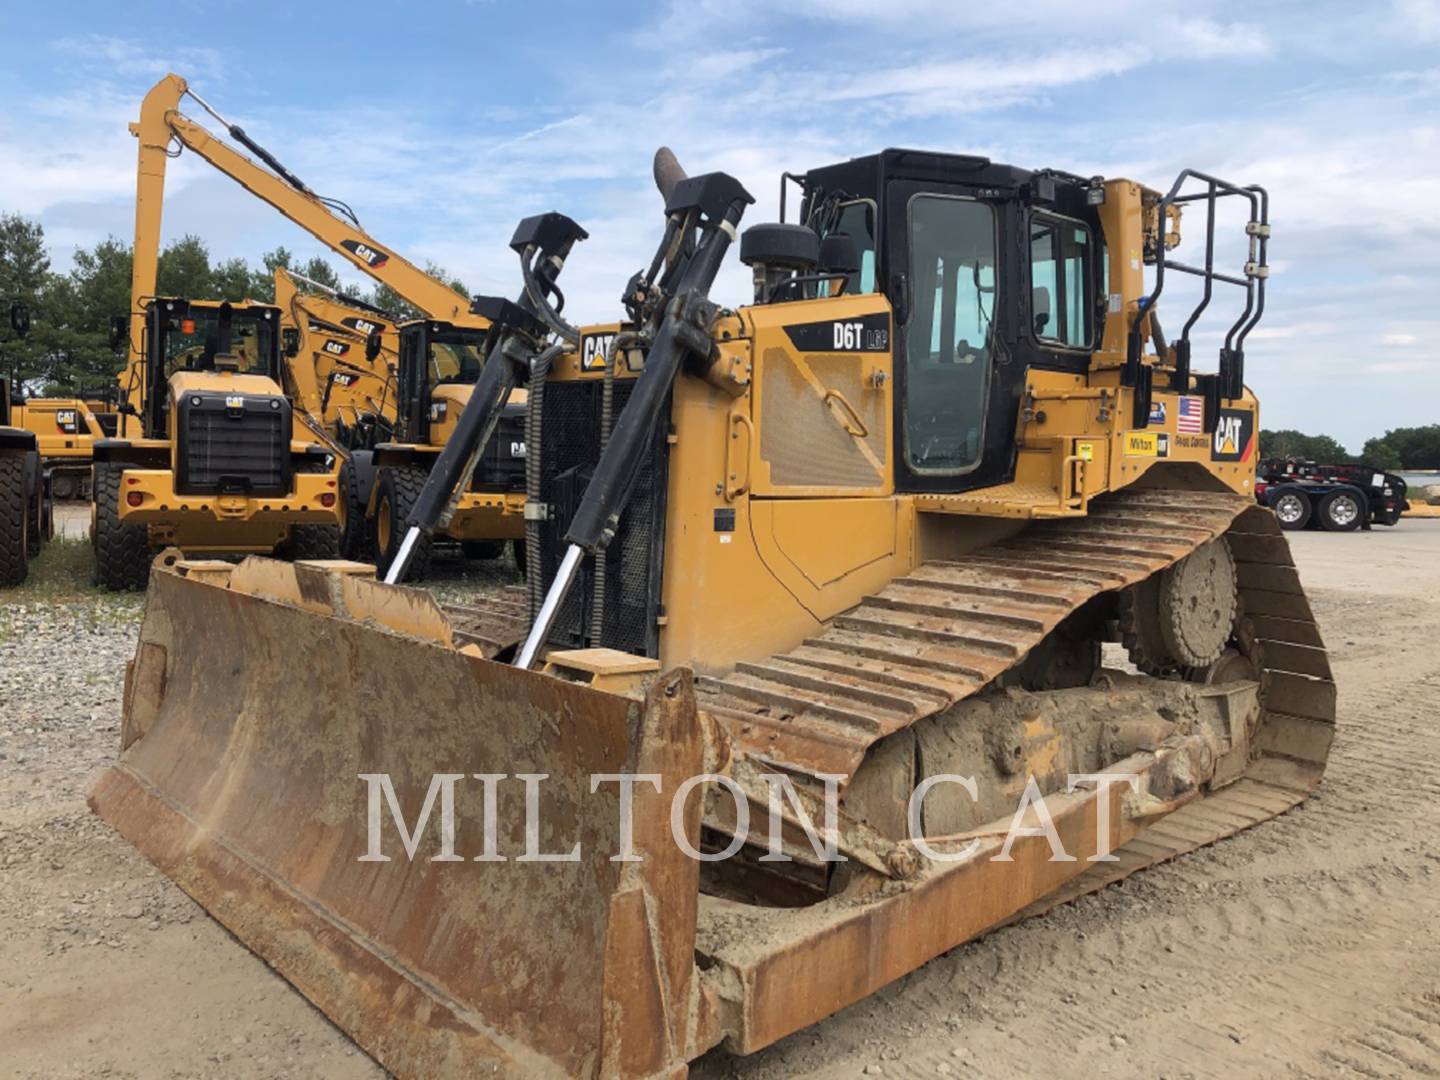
502 466
570 447
225 448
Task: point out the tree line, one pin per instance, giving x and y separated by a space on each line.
68 349
1398 448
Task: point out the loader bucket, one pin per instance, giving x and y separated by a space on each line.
258 699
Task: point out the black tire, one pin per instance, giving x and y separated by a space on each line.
356 539
65 486
14 521
35 488
1292 507
1343 510
483 549
399 489
122 552
313 542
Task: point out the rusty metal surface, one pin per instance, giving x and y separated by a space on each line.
941 633
501 622
771 972
252 722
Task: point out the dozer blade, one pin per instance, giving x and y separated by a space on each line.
260 697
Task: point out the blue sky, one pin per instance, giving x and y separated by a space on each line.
443 123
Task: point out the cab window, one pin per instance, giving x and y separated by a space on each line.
857 220
948 337
1062 285
454 360
194 339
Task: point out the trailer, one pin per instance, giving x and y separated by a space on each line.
1338 498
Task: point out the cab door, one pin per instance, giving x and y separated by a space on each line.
957 390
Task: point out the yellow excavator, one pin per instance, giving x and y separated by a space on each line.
807 690
66 429
343 381
380 473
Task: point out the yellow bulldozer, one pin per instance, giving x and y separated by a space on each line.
807 688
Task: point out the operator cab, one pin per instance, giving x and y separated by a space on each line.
435 358
990 271
196 336
439 366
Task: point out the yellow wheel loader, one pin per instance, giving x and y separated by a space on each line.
25 512
208 458
808 690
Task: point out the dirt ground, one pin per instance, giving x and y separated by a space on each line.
1308 946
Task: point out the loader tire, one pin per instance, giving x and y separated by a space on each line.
356 538
122 552
14 521
399 489
517 548
313 542
483 549
1341 511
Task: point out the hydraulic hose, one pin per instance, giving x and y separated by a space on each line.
607 411
534 434
536 291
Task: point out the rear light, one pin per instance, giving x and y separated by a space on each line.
327 499
134 498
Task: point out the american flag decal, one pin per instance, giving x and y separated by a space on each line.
1190 417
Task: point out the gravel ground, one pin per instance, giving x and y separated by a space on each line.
1308 946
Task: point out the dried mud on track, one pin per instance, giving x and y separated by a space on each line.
1308 946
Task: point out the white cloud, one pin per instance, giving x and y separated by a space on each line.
1206 38
126 57
1420 18
1399 341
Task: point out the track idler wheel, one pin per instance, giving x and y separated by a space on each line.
1183 617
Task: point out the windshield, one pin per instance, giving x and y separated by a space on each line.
195 338
456 357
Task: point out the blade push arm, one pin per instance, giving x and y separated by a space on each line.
543 243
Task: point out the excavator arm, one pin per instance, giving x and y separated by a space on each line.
162 123
333 334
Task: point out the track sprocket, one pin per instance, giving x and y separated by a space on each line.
1183 616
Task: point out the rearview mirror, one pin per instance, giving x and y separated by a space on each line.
20 318
119 330
372 345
